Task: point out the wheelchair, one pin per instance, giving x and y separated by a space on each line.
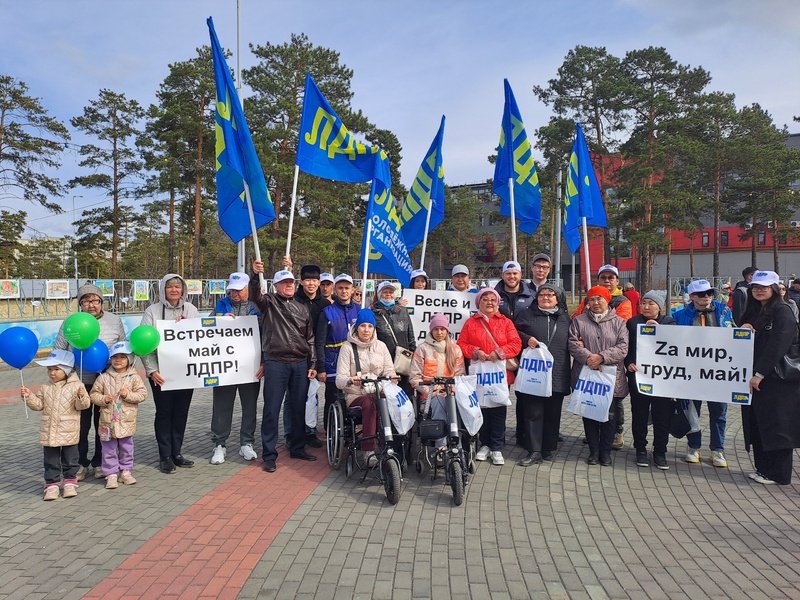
343 432
457 458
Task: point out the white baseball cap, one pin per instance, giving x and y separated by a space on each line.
385 284
120 348
59 358
611 268
512 265
238 281
282 275
701 285
344 277
418 273
323 277
460 269
765 278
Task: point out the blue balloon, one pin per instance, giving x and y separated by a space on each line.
18 346
95 357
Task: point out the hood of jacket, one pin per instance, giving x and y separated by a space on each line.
352 337
162 284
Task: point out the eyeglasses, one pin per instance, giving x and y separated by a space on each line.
91 302
545 295
607 278
541 267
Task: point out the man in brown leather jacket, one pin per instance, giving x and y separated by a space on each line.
287 338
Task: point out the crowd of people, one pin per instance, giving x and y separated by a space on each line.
319 330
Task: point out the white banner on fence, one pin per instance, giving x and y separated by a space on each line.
208 352
423 304
696 363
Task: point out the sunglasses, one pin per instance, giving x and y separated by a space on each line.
705 294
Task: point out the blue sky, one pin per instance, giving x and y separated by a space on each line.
413 60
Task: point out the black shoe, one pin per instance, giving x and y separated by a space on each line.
184 463
167 466
547 455
532 458
269 466
560 438
303 456
592 460
660 460
605 459
641 459
313 441
585 441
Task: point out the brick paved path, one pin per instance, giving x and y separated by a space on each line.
560 530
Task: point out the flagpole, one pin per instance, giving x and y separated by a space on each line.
240 246
291 212
513 219
558 232
366 264
253 227
573 278
586 255
427 226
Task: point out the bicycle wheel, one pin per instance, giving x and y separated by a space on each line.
457 482
391 480
333 435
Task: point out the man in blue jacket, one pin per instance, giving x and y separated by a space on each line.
704 311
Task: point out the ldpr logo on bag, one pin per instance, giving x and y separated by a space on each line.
473 400
402 398
535 365
491 378
593 388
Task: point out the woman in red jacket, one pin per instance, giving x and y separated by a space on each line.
490 336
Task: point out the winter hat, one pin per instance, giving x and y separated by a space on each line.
440 320
365 315
659 297
483 292
87 289
599 290
309 272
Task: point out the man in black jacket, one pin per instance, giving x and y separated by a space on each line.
287 347
740 295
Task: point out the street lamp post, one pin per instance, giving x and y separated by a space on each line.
74 240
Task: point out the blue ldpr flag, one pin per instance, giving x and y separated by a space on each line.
515 161
583 197
427 192
237 161
326 148
388 253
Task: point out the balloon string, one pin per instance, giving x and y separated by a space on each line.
25 404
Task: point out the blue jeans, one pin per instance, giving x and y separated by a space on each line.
290 379
717 418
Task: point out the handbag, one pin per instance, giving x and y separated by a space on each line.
512 364
684 419
402 356
788 367
468 404
535 376
491 383
594 393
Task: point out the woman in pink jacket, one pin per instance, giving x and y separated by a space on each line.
488 335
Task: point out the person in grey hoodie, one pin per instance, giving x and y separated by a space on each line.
172 407
90 301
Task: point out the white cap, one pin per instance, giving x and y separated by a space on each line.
120 348
418 273
344 277
460 269
385 284
611 268
282 276
512 265
701 285
59 358
323 277
765 278
238 281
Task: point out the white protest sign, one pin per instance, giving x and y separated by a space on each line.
695 363
208 352
423 304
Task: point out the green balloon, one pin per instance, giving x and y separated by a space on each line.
144 339
81 330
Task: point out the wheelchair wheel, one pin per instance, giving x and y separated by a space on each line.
457 482
350 464
334 437
391 480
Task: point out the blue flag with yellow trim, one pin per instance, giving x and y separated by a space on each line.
327 149
426 193
237 161
583 197
515 161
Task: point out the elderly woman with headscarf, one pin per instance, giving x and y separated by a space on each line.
488 335
172 407
598 338
90 301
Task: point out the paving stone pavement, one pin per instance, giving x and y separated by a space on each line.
558 530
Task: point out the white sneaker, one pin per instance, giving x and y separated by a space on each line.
497 458
718 459
483 453
759 478
692 455
370 459
247 452
219 455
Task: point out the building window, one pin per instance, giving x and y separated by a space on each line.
723 238
762 238
705 239
782 240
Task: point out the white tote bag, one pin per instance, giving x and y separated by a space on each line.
467 402
312 403
401 409
492 385
593 393
535 373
